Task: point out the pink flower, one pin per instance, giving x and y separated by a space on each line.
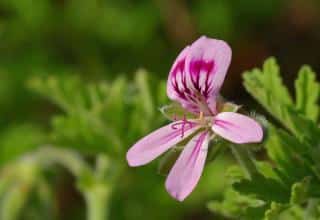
194 81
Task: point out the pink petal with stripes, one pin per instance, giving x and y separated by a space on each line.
187 170
197 74
237 128
159 141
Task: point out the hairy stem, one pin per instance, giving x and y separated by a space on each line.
245 160
97 200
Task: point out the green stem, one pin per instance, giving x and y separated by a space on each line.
312 209
15 195
245 160
14 201
97 200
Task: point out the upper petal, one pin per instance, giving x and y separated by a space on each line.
156 143
187 170
207 63
237 128
176 76
198 73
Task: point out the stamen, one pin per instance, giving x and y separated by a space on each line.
183 124
201 116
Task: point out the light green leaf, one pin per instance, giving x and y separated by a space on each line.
262 188
274 211
268 79
234 205
11 145
300 191
144 94
307 93
288 153
267 88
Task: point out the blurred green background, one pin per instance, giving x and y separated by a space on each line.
98 41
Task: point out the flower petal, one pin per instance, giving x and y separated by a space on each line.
198 73
237 128
156 143
207 63
187 170
176 75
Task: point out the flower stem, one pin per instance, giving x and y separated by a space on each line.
311 211
97 200
245 160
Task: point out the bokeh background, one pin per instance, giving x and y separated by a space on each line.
99 40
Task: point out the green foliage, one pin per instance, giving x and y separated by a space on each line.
98 116
25 178
234 204
49 39
307 93
290 180
266 87
12 146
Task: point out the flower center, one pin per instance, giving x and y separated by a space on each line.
184 123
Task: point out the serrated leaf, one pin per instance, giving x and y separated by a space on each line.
235 206
300 191
269 79
144 94
288 154
274 211
267 88
307 93
235 174
114 103
267 170
97 115
262 188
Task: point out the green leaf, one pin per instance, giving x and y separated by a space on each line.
98 115
144 94
300 191
274 211
11 145
113 106
257 82
84 132
262 188
144 102
267 88
307 93
234 205
289 155
266 169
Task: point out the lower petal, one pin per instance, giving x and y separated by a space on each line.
159 141
237 128
187 170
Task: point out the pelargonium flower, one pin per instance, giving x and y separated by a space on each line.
194 81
